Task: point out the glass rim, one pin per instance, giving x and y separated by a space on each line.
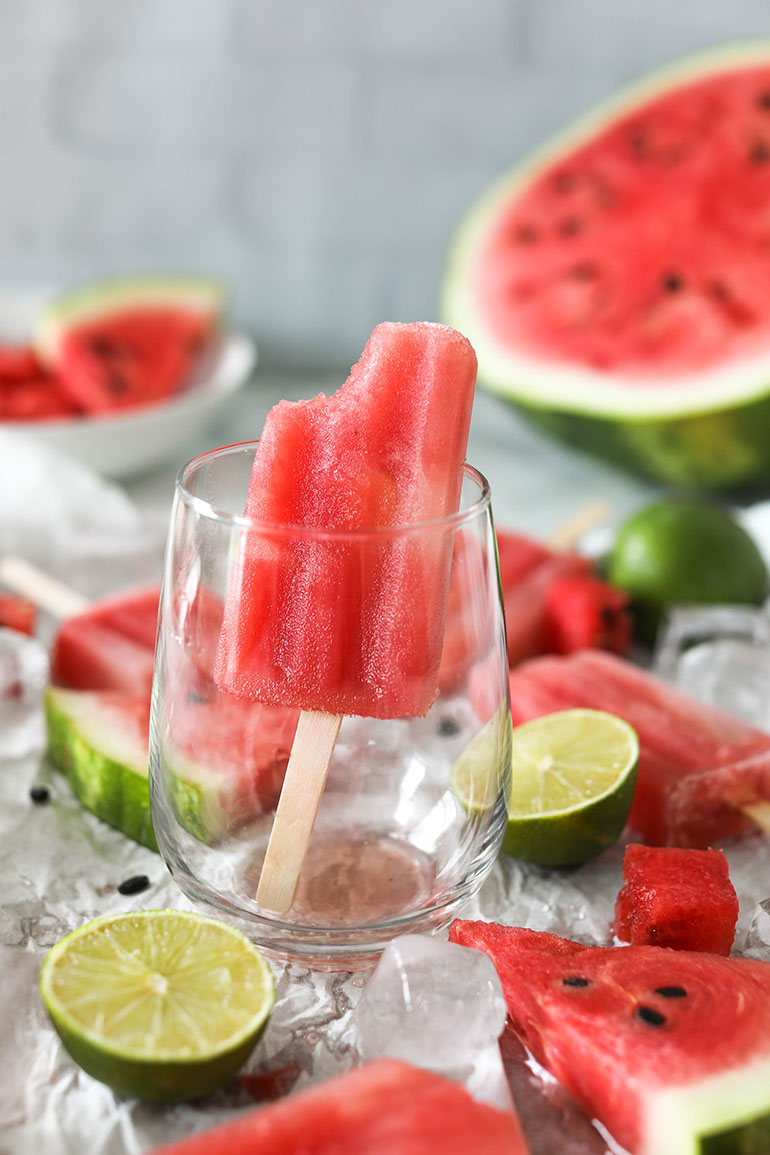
240 521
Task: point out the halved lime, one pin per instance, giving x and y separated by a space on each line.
573 775
158 1004
482 768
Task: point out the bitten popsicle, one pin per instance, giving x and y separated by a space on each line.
352 623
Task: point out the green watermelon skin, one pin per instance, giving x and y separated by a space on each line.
710 430
384 1108
667 1049
723 450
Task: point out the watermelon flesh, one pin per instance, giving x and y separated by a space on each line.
675 190
110 645
554 601
386 450
385 1106
676 898
17 613
696 763
118 344
664 1048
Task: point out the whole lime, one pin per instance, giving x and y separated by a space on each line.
680 551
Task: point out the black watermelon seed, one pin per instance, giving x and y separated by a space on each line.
672 282
575 981
526 234
760 153
763 100
570 226
447 728
40 794
584 271
565 182
134 884
671 992
650 1016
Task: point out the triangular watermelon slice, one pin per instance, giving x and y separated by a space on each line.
669 1050
382 1108
117 344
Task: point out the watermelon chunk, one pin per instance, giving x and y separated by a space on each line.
670 1050
682 899
17 613
582 611
697 765
128 342
386 1106
614 283
526 572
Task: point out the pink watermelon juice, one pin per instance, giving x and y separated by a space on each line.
697 765
388 1107
668 1049
385 451
676 898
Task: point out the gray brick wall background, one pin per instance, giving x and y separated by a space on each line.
314 153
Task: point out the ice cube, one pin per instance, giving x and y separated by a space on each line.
23 674
440 1006
720 655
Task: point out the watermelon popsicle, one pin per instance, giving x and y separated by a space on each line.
337 599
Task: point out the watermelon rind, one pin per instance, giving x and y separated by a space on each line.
108 771
709 430
719 1114
102 299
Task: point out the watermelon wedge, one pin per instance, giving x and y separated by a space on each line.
682 899
228 768
614 284
127 342
386 1106
669 1050
697 765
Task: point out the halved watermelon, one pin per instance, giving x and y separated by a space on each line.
670 1050
110 645
385 1107
118 344
614 285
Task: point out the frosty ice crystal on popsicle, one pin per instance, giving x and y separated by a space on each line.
353 625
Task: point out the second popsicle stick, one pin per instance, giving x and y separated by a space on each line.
295 815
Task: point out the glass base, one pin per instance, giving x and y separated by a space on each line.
358 891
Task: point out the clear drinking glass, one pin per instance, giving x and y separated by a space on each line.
414 808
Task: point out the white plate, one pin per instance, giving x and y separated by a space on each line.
132 442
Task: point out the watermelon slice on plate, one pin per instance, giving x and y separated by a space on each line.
385 1107
128 342
669 1050
614 285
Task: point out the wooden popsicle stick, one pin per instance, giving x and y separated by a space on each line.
295 814
587 517
752 806
29 581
